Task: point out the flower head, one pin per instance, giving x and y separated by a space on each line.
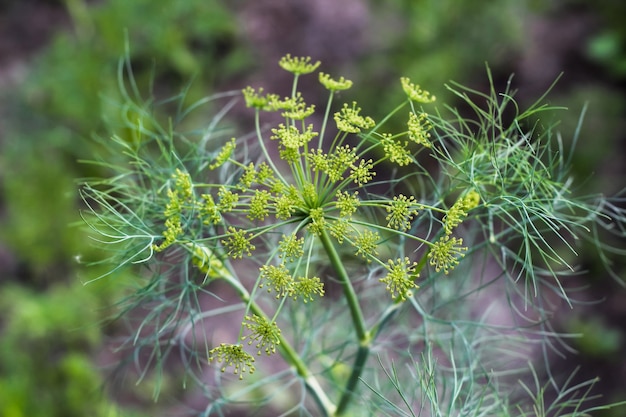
228 199
334 85
415 93
290 247
225 153
347 203
298 65
401 211
277 278
293 107
291 138
366 243
237 243
318 221
445 253
306 288
349 120
400 278
397 151
233 356
179 198
418 129
266 334
259 205
362 174
209 211
253 98
459 210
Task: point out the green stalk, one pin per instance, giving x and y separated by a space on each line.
363 334
288 353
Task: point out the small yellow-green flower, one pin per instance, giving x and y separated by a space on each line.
471 200
248 177
225 153
173 229
255 99
346 203
334 85
233 356
306 288
276 278
237 243
400 278
259 208
290 247
183 183
401 211
415 93
179 198
293 107
228 200
349 120
397 151
298 65
266 334
318 221
339 229
362 174
459 209
292 138
209 211
445 253
366 243
334 164
418 129
285 206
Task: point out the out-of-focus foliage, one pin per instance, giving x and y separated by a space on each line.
435 41
46 369
50 322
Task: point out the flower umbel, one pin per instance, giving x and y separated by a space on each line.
334 85
366 243
225 153
253 98
459 210
277 278
418 129
445 253
362 174
290 247
298 65
401 211
346 203
400 278
266 334
233 356
415 93
397 151
291 138
237 243
350 121
306 288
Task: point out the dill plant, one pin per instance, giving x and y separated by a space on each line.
383 285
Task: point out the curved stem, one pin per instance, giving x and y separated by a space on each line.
288 353
363 335
348 290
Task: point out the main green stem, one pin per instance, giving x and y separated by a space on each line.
289 354
363 335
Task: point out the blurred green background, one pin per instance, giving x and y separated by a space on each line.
59 86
